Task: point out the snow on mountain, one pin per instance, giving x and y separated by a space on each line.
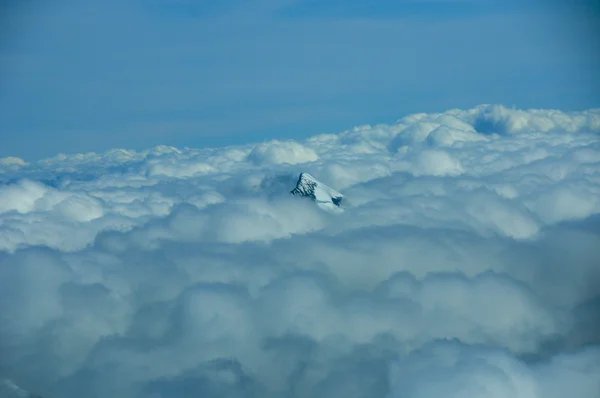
325 196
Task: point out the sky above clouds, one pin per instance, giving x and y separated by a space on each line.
81 76
464 264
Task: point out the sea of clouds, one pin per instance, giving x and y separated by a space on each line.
466 264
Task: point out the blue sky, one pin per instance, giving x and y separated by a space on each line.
79 76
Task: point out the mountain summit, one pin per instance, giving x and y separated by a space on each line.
325 196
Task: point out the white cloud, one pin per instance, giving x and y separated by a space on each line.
277 152
11 164
452 369
465 264
436 163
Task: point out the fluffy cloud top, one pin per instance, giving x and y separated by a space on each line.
276 152
465 264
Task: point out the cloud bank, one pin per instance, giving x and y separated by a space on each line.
465 264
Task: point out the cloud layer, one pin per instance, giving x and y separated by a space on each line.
465 265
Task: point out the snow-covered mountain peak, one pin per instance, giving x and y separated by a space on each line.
324 195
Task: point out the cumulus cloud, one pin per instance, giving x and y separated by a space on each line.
276 152
464 264
452 369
